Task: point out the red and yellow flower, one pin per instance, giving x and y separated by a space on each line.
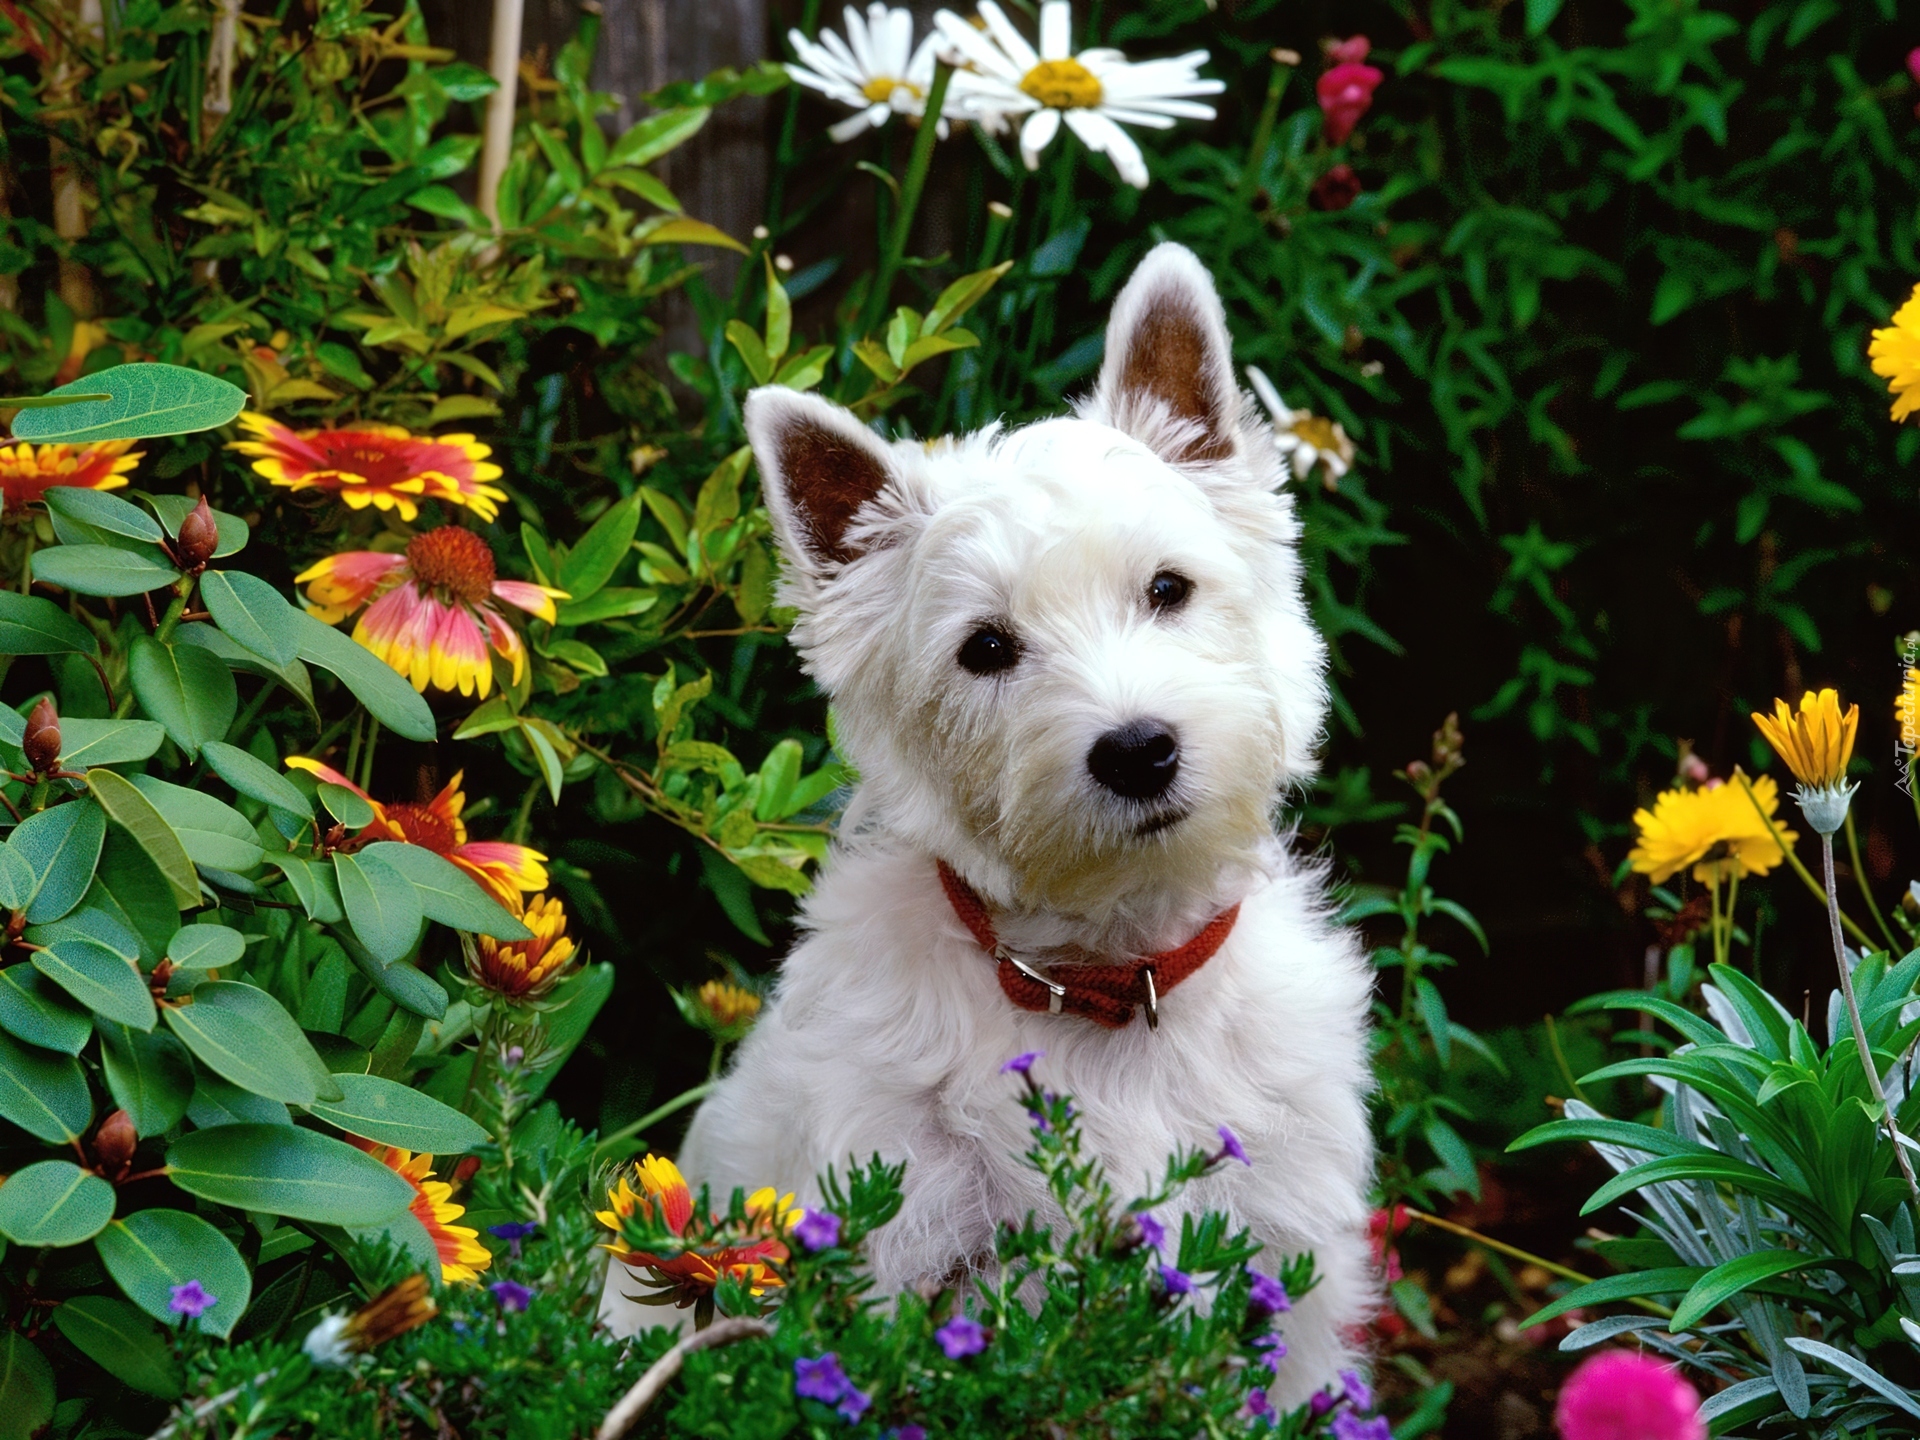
525 969
27 472
462 1256
384 466
429 611
664 1199
503 868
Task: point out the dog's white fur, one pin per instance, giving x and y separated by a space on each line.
888 1026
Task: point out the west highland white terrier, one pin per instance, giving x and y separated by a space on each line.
1073 668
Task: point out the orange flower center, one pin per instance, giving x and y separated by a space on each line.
423 826
455 560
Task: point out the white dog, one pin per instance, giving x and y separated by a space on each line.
1073 668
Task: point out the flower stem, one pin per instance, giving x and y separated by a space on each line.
659 1113
1794 860
1866 891
1516 1253
1262 134
1713 927
917 165
1859 1027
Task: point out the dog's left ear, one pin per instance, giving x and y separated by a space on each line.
1168 375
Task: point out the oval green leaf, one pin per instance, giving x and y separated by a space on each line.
174 509
447 893
44 1093
284 1170
396 1114
151 1251
34 1009
141 820
149 1075
214 833
107 742
121 1341
103 981
101 570
34 625
186 688
144 400
254 778
54 1202
388 697
253 613
101 511
61 846
206 947
244 1035
380 903
26 1387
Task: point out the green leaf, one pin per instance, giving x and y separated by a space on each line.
447 893
107 742
206 947
1729 1279
104 982
388 697
186 688
778 775
26 1388
151 1251
122 1341
753 351
613 602
1663 1280
101 511
54 1202
961 296
244 1035
34 625
144 400
647 141
43 1093
213 832
61 846
285 1170
592 562
349 807
381 905
253 613
101 570
148 1074
148 829
34 1009
17 880
396 1114
312 882
215 1103
255 778
129 886
294 678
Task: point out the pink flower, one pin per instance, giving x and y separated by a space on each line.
1913 62
1618 1395
1346 90
1337 189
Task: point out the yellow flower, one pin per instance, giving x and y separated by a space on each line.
27 472
1895 353
379 465
525 969
723 1010
691 1274
1715 830
1817 742
462 1256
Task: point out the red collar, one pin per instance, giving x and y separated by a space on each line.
1104 994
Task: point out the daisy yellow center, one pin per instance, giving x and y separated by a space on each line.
1317 431
880 89
454 560
1062 85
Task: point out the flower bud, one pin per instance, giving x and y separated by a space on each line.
113 1143
199 537
41 743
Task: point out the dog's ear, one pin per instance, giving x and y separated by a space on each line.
1168 375
818 465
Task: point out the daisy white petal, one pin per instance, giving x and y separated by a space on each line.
859 43
1101 134
1023 55
1056 30
976 49
1037 134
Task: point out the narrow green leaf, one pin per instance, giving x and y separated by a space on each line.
592 562
54 1202
145 400
253 613
120 1340
285 1170
1729 1279
381 905
1663 1280
186 688
148 1074
396 1114
61 846
107 742
34 625
244 1035
254 778
148 828
447 893
103 981
151 1251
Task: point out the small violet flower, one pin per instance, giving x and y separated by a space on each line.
190 1300
1618 1394
1259 1407
853 1404
961 1336
1178 1282
1268 1296
1358 1393
1322 1402
1152 1232
1231 1148
513 1232
908 1432
1276 1349
511 1294
1349 1426
821 1379
819 1230
1021 1064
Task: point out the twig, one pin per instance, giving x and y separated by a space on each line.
207 1407
1525 1256
662 1372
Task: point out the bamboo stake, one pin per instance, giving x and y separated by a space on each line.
504 63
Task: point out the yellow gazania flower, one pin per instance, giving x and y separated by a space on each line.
525 969
379 465
1817 742
462 1256
1715 830
27 472
666 1197
1895 353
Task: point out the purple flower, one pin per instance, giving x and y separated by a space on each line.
512 1056
513 1232
853 1404
1152 1232
819 1230
511 1294
821 1379
1259 1407
961 1336
1322 1402
1268 1296
908 1432
1021 1064
1178 1282
1231 1148
1349 1426
1276 1349
190 1300
1356 1390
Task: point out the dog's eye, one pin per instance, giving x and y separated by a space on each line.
1168 591
989 650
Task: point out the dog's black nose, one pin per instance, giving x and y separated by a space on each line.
1138 760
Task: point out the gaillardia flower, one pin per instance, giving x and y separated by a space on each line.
462 1256
1715 829
1895 354
380 465
525 969
27 472
392 1313
720 1008
503 869
689 1275
1816 742
1092 92
429 610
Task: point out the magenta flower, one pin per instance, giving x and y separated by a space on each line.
511 1295
1346 90
1618 1395
819 1230
190 1301
1913 62
1178 1282
1021 1064
961 1336
1152 1232
1231 1148
1268 1296
1322 1402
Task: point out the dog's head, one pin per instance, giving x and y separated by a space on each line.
1059 652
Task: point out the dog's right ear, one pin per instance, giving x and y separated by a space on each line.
819 466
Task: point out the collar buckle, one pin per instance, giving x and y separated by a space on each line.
1056 992
1152 1007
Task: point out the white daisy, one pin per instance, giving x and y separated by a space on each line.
1303 438
1093 91
877 69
